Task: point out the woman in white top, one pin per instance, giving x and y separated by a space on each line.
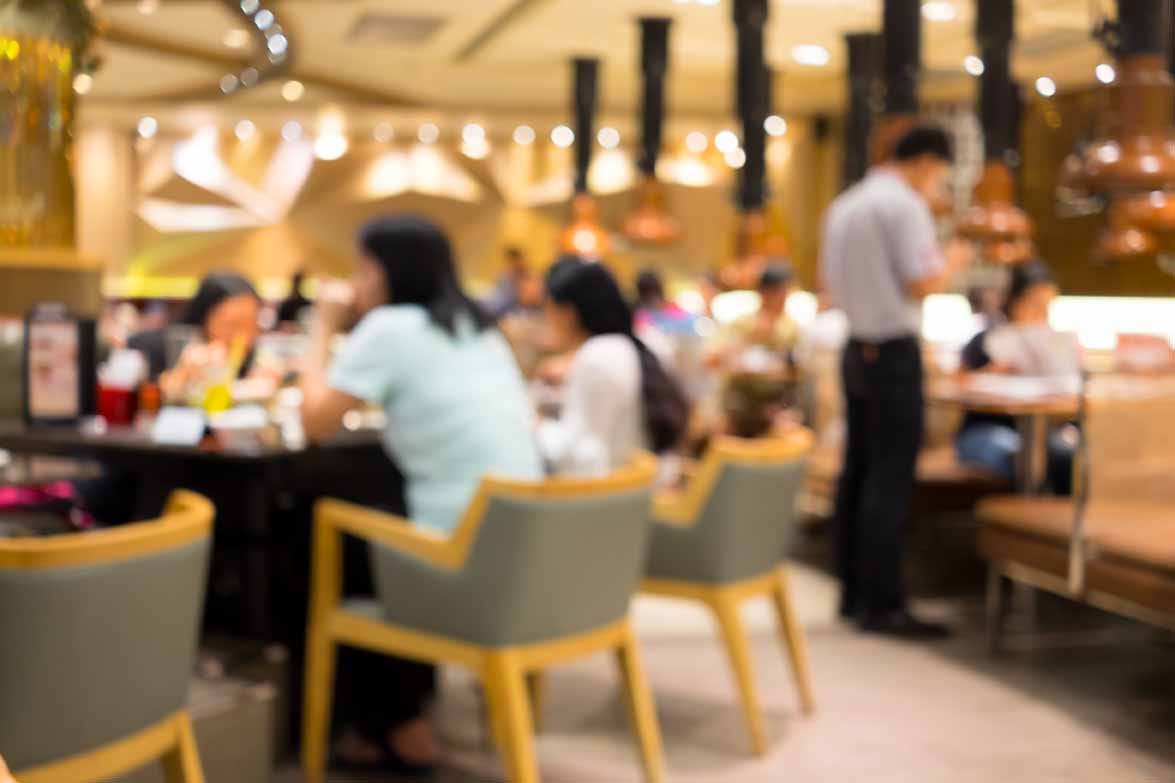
617 396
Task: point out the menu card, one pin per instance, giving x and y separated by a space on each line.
59 374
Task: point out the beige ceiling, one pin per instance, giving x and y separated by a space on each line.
175 56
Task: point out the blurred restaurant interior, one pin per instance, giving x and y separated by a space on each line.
706 390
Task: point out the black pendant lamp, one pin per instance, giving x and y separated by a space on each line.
864 50
650 222
584 235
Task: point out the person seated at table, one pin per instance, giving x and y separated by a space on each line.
224 313
291 310
1024 345
617 396
457 409
769 328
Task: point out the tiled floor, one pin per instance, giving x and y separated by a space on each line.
1094 706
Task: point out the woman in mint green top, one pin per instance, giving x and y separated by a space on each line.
457 409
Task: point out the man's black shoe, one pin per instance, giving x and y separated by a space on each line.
902 624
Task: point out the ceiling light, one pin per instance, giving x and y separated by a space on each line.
250 6
1046 87
148 127
83 83
229 83
609 138
811 54
383 133
939 11
696 142
475 148
264 19
330 146
473 133
292 130
293 90
244 130
236 38
973 65
562 136
524 135
250 76
278 44
726 141
1105 73
775 125
736 158
428 133
148 7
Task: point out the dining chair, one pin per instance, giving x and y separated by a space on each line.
535 574
100 633
722 541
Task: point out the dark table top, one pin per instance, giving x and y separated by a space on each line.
80 441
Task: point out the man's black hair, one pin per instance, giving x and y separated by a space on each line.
925 140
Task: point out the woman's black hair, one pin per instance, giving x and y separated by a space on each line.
1025 277
417 261
214 289
592 290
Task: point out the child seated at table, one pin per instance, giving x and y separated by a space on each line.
1025 345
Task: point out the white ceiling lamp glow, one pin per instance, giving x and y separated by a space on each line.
736 158
726 142
148 7
244 130
330 146
973 65
148 127
229 83
812 55
278 44
292 131
250 6
264 19
562 136
475 148
696 142
1046 87
83 83
939 11
473 133
293 90
428 133
383 132
609 138
1105 73
524 135
775 125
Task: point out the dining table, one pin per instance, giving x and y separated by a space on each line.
1034 415
264 492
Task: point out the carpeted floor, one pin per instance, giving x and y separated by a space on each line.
1092 704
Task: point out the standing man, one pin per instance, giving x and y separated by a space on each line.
881 258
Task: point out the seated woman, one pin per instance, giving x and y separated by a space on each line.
1024 345
225 311
456 408
617 397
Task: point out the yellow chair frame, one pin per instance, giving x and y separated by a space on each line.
684 509
188 518
510 675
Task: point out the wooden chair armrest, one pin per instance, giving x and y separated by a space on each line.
672 507
390 530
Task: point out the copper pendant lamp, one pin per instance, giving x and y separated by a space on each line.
584 236
1131 164
650 222
1003 230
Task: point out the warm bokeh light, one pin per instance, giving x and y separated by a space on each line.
330 146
